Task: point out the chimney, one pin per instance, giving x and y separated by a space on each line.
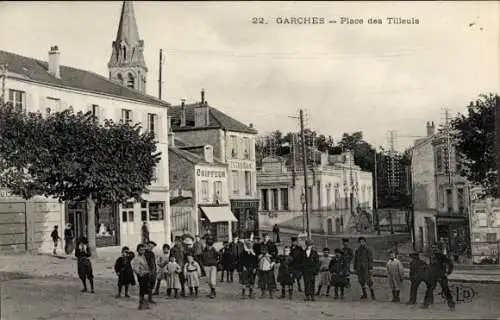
54 67
209 153
202 115
183 113
171 135
202 96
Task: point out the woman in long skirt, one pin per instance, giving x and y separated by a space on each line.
192 271
84 266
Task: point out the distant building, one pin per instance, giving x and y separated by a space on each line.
233 144
424 190
392 180
337 188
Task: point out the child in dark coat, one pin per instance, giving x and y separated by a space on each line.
123 269
286 273
82 253
267 282
247 268
226 262
339 274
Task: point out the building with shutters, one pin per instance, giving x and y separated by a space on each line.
199 124
194 170
48 86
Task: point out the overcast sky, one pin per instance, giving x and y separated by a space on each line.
373 78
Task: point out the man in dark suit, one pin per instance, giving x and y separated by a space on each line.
297 254
363 266
310 268
440 267
236 248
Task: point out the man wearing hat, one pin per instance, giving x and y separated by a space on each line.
236 248
348 254
297 254
151 260
440 267
310 268
179 252
363 266
211 258
419 272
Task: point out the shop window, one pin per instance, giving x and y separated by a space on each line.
156 211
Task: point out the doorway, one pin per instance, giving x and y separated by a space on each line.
338 226
76 214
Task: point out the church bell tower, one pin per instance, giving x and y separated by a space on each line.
126 65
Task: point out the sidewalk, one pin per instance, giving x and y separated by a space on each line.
53 266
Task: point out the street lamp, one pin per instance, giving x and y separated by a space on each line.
303 202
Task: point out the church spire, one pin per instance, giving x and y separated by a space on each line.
127 65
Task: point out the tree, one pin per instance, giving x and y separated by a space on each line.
69 156
364 154
474 139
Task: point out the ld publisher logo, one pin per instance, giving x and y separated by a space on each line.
460 293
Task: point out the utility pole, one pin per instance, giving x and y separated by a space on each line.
375 189
497 141
304 167
160 81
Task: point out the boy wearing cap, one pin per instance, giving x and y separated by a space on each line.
347 254
363 265
324 272
310 268
211 258
297 253
339 273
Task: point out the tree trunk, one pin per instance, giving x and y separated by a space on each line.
91 232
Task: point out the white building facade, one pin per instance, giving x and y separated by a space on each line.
37 86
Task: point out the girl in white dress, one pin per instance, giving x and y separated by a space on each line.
192 272
172 271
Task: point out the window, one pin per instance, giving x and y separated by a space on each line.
476 237
153 124
18 99
234 182
120 79
234 146
218 191
246 148
284 199
248 183
491 237
128 212
126 115
449 200
204 190
441 197
337 198
275 199
144 211
156 174
264 199
131 81
156 211
52 105
439 160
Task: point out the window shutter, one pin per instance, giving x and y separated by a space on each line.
158 127
28 104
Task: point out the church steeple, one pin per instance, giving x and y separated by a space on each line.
127 65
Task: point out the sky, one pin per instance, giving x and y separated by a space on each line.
347 77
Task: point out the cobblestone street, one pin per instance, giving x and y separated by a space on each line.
59 298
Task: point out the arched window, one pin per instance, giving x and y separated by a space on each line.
131 81
120 78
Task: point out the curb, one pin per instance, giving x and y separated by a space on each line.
379 273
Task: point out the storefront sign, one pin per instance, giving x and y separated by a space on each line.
210 173
241 165
244 204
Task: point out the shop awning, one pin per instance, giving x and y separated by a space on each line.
218 214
